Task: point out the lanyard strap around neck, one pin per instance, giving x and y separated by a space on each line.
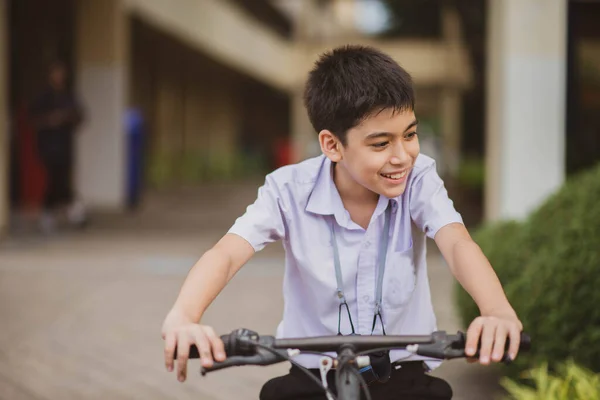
383 246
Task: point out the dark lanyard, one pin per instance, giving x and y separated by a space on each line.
383 246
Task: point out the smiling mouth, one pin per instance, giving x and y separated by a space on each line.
397 176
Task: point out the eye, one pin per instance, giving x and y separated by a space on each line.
411 135
380 144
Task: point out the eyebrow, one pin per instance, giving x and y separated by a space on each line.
376 135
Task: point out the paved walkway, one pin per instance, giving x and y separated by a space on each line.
81 313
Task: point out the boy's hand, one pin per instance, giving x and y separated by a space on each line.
491 333
181 332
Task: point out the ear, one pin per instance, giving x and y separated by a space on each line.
330 145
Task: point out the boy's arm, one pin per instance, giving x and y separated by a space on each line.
262 223
210 274
205 281
474 272
434 213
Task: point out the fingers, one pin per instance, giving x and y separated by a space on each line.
218 348
473 334
183 352
204 348
499 343
515 342
182 338
170 343
491 334
488 334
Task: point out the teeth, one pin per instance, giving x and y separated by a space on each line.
395 176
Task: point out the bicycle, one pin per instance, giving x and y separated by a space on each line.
245 347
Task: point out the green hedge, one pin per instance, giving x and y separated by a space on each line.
198 166
549 266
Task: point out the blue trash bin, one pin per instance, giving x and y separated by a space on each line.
135 133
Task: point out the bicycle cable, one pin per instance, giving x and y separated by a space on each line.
366 352
302 368
357 374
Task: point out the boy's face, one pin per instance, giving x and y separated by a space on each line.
379 153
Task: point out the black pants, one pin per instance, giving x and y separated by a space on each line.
410 382
59 171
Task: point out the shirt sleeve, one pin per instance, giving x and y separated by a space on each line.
263 221
430 207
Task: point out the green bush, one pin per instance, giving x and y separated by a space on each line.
571 382
471 172
549 266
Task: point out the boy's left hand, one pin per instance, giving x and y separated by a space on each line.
492 332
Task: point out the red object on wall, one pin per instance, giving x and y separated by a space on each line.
32 176
283 152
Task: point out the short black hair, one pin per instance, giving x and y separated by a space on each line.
351 83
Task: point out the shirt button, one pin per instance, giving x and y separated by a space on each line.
366 298
367 243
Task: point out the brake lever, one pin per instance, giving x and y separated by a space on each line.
262 357
447 347
443 346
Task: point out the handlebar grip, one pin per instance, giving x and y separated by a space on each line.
262 357
453 346
525 344
195 353
229 362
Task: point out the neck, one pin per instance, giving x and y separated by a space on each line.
350 191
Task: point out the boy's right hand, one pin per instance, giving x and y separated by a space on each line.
180 332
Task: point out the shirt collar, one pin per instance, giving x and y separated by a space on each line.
325 199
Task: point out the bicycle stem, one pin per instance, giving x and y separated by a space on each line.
347 383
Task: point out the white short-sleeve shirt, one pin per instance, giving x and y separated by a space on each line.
298 203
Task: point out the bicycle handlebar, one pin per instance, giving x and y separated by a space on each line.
245 347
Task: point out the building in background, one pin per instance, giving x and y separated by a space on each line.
219 86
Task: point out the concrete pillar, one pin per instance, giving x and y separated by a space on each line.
451 125
4 124
304 137
525 105
451 95
102 45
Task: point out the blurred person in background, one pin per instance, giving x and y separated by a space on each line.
56 114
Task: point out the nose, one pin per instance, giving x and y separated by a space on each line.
400 155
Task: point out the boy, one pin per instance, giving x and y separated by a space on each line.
331 213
